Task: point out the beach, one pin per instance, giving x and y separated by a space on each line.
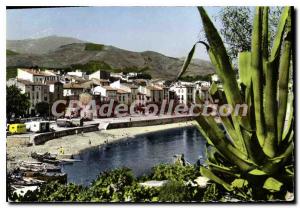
73 144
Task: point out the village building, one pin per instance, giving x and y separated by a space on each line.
74 89
131 88
56 90
78 73
100 74
184 92
123 96
106 92
37 92
37 75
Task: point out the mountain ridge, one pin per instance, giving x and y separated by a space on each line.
64 52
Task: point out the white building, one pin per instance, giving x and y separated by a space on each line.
184 92
106 92
78 73
132 89
36 75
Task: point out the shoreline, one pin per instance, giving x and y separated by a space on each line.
75 144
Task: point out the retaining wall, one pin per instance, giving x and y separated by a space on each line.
153 122
44 137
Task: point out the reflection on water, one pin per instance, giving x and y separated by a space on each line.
138 154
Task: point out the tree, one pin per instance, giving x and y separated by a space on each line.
236 28
17 104
42 108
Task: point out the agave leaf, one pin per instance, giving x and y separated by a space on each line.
279 35
220 60
209 174
257 172
265 34
283 81
239 183
187 61
287 152
244 69
270 109
213 88
289 125
257 74
223 169
236 139
272 185
219 140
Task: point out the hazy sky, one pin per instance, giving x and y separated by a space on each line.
168 30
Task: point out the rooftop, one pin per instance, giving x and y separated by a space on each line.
38 72
27 82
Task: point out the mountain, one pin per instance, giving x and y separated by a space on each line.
39 45
62 53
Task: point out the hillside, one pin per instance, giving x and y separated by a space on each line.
90 57
39 45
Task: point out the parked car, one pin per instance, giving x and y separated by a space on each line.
17 128
38 126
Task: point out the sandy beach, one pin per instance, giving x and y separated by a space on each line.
73 144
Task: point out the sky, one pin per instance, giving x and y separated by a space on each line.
168 30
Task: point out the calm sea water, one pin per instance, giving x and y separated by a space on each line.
139 154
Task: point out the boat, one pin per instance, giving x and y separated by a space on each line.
47 176
46 158
38 167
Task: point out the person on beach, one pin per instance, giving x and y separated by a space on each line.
61 150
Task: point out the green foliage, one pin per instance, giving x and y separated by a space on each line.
174 191
11 53
92 66
119 185
212 193
110 186
11 73
188 78
138 193
56 192
16 102
174 172
93 47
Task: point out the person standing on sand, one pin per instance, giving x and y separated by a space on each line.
61 150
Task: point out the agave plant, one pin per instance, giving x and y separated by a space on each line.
254 156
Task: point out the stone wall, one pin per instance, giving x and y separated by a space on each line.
44 137
153 122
